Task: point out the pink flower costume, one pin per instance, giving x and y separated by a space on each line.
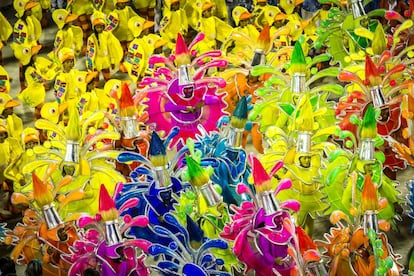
182 95
264 235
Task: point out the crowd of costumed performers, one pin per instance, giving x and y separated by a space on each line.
205 138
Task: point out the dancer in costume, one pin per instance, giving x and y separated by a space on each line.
242 17
134 136
139 50
27 30
357 245
302 164
275 19
104 50
154 184
103 241
223 151
10 150
39 73
364 160
84 10
88 99
377 88
14 171
4 80
70 82
5 32
174 21
184 95
44 234
214 29
276 109
265 237
206 208
156 46
68 35
403 150
120 17
259 11
8 118
145 8
79 158
27 55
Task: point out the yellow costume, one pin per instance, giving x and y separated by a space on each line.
146 8
302 163
69 84
260 7
4 80
36 75
274 17
138 51
37 72
88 100
104 50
305 187
47 111
14 170
213 28
41 12
80 7
27 29
5 32
55 113
34 96
241 15
295 22
107 102
5 28
122 15
25 53
173 22
105 6
37 10
88 172
9 151
221 10
278 58
8 119
68 36
84 10
155 45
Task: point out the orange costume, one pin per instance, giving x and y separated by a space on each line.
244 85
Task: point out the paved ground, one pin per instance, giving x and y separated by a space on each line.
401 241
